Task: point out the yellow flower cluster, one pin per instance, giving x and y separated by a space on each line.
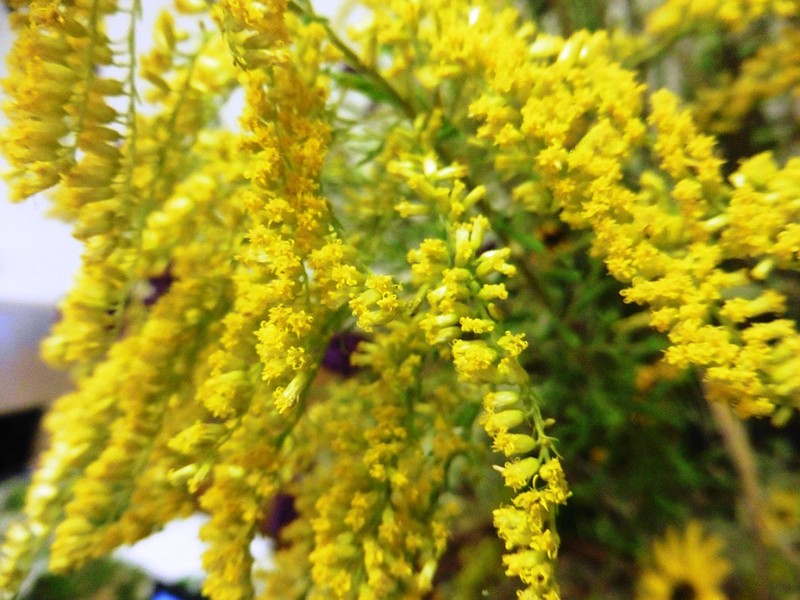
230 261
63 129
60 107
768 70
113 476
733 14
213 394
275 318
378 303
565 107
688 287
380 451
771 70
118 206
763 215
774 70
109 456
461 276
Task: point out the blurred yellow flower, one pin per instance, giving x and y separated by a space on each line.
685 565
782 516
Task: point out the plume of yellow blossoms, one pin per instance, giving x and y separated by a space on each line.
171 398
767 72
563 124
462 320
317 219
733 14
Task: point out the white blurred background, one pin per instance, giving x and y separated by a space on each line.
38 256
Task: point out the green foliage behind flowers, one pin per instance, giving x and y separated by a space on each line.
561 290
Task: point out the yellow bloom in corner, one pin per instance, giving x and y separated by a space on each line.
685 564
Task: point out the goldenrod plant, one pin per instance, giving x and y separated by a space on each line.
491 292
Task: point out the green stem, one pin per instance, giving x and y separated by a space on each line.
652 51
89 74
354 61
734 436
535 286
130 116
331 326
139 218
